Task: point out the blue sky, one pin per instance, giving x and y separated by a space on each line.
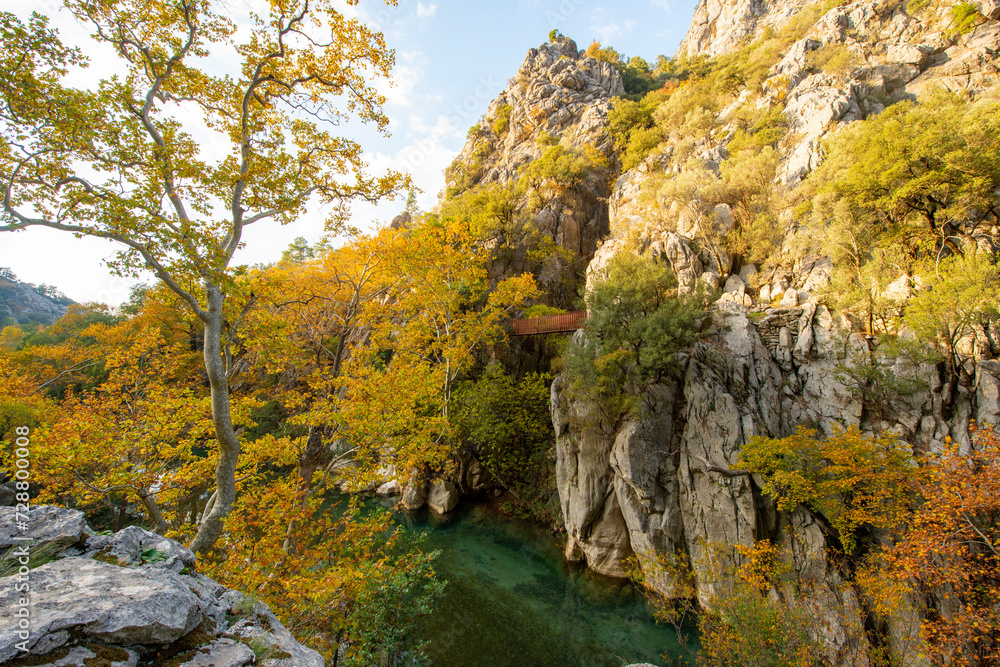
452 59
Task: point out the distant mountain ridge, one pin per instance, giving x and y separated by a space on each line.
24 302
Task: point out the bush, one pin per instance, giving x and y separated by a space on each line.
964 17
637 325
744 624
506 423
748 629
836 59
502 121
632 128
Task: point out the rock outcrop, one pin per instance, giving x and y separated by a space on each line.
662 483
23 302
126 598
561 93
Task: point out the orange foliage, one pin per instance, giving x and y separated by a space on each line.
950 554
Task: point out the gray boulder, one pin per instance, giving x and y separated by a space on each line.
47 526
120 598
258 625
443 496
136 546
7 495
220 653
81 597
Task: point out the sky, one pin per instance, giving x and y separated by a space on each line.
453 57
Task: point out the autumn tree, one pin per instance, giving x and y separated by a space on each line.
116 162
850 481
424 335
949 555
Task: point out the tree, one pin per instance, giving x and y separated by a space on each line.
423 336
10 337
919 175
506 424
637 324
959 296
949 555
852 482
116 163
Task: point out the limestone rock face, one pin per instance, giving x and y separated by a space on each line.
559 92
663 482
104 602
719 26
105 598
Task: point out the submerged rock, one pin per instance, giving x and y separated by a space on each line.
443 496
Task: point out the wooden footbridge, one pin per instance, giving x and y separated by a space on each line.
546 324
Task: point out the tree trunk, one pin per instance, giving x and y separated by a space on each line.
154 512
119 515
229 445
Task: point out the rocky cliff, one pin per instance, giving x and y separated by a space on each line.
132 598
23 302
662 483
557 93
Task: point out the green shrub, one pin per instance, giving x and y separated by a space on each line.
641 144
964 17
502 121
836 59
506 423
631 126
637 324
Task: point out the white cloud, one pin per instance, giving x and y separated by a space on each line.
662 4
407 73
426 11
606 28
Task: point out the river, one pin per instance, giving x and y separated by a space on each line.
512 600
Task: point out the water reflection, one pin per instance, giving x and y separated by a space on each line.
513 600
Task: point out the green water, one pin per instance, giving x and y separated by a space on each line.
512 600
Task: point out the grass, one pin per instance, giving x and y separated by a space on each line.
9 563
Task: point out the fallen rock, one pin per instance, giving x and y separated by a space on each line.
91 654
390 488
415 493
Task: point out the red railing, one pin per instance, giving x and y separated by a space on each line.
544 324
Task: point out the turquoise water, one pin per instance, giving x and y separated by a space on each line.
512 600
